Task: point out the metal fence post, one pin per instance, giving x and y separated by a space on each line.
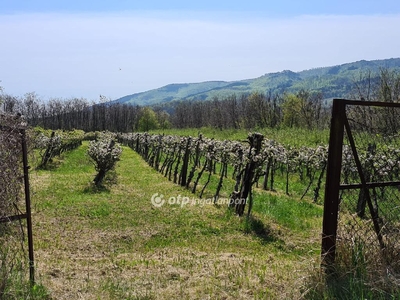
331 203
28 207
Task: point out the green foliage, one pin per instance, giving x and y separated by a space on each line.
389 87
148 120
163 120
302 109
291 110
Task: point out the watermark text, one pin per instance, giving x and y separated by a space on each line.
158 200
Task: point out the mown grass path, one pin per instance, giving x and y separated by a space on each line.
114 244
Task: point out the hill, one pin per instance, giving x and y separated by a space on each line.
334 82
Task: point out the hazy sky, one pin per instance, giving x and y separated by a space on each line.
115 48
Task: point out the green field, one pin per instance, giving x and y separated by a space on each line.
113 244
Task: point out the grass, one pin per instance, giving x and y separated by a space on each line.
358 274
113 244
14 274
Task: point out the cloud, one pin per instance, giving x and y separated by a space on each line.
117 54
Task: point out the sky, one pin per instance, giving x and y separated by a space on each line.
84 49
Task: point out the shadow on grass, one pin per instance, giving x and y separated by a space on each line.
253 225
94 189
104 187
50 166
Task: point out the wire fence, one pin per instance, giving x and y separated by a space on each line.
362 201
369 218
15 214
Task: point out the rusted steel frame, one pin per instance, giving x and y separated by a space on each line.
331 202
12 218
374 214
369 103
332 188
28 206
368 185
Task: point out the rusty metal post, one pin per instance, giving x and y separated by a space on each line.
28 207
331 203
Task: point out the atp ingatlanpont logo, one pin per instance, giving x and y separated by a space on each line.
158 200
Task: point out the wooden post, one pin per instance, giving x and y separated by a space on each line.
185 163
196 161
159 148
255 143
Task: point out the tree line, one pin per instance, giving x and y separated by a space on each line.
305 108
74 113
256 110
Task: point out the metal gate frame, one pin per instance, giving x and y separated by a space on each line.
27 215
339 123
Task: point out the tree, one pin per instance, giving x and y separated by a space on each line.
389 86
32 107
163 119
231 107
148 120
303 109
291 110
9 103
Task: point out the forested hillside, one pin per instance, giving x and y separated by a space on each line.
333 82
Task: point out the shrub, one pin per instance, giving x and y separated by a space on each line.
54 143
104 153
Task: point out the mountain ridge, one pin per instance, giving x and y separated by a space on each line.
333 81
